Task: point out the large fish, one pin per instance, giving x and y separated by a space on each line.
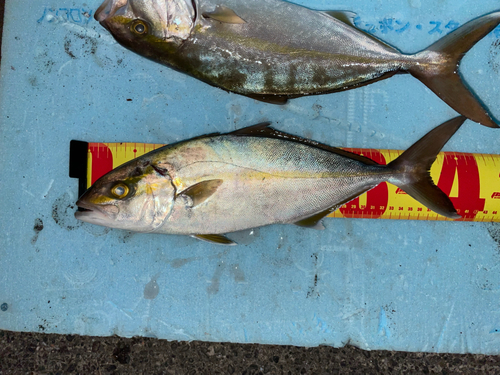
273 50
217 184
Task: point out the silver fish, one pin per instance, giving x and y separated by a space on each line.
273 50
217 184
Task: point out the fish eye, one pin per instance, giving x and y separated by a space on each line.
120 190
139 27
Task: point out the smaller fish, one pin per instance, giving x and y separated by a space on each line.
273 50
217 184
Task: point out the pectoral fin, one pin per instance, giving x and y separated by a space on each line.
218 239
225 15
200 192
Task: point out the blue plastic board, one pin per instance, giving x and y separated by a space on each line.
376 284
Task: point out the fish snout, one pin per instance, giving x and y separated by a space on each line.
80 203
108 8
96 214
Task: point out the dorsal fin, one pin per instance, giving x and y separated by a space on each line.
342 15
262 127
348 17
263 130
225 15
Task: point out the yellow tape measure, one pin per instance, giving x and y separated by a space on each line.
472 181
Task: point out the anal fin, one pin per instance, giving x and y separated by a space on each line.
269 98
314 222
218 239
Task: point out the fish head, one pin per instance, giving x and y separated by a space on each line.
136 196
136 23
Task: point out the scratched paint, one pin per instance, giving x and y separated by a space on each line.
214 286
80 16
321 325
152 289
238 274
246 237
383 329
178 263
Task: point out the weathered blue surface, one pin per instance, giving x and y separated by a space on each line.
399 285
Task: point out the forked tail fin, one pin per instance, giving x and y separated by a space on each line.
414 168
439 70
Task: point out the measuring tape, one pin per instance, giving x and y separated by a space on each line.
472 181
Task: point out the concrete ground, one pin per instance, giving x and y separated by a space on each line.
39 353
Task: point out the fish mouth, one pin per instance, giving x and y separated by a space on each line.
90 214
108 8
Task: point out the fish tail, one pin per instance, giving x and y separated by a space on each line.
437 68
412 169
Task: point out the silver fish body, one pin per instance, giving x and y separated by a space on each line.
273 50
257 176
265 181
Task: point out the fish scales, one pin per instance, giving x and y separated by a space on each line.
292 181
271 63
284 73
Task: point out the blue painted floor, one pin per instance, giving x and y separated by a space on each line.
398 285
